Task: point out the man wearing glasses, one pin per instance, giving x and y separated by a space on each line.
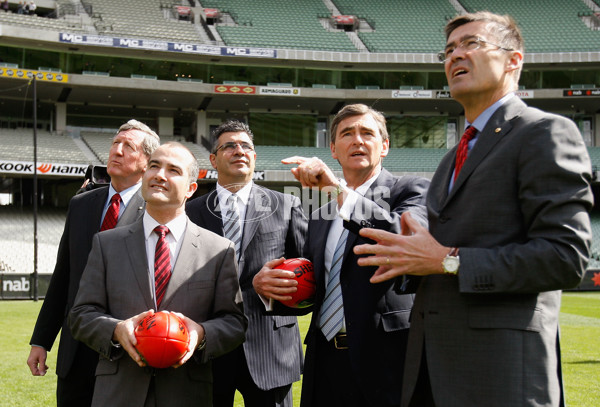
265 226
508 230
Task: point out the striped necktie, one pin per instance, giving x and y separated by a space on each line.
162 263
332 311
232 229
112 214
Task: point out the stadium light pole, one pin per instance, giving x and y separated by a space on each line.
35 194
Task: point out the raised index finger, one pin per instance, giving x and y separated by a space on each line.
294 160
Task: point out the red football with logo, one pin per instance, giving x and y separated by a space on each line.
162 339
305 276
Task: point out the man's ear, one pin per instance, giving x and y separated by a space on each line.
385 147
191 189
213 161
515 61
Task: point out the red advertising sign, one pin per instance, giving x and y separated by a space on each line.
344 20
236 89
211 12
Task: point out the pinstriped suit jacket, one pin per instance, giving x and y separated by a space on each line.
274 227
83 222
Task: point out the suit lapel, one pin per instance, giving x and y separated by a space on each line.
96 208
134 209
496 128
384 179
320 236
257 200
210 212
135 244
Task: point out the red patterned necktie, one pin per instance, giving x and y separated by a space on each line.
463 148
112 214
162 263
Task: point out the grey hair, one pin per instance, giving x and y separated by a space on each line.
151 140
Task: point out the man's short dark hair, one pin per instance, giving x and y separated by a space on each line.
503 28
230 126
358 110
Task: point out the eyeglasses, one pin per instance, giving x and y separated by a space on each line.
230 147
468 44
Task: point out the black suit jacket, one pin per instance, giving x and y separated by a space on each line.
377 315
83 222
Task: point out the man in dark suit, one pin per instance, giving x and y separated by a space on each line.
161 262
272 226
508 230
358 332
76 363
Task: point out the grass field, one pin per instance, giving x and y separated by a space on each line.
580 327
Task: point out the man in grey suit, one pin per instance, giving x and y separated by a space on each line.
76 363
358 332
271 227
119 288
508 230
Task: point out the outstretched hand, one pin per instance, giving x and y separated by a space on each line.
413 252
312 172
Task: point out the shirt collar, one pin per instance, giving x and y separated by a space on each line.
126 194
364 187
176 226
243 194
481 120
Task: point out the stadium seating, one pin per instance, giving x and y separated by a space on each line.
18 146
541 21
16 238
99 143
412 26
269 157
40 23
399 160
595 250
279 24
146 19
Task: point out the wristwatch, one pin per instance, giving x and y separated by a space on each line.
202 344
451 262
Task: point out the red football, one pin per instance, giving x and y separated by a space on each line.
305 276
162 339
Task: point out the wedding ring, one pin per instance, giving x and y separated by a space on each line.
387 260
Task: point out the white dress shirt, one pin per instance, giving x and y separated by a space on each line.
174 237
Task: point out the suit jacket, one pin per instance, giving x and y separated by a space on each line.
116 285
274 227
377 315
83 222
518 213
